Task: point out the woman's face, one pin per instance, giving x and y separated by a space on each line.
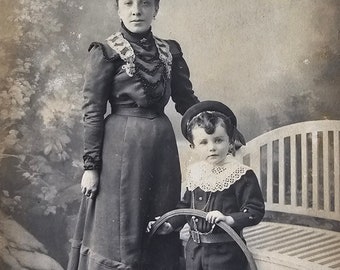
137 15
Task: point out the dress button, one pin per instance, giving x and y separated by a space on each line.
200 198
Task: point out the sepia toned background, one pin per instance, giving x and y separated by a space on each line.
273 62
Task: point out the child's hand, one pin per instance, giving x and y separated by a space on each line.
164 229
215 216
89 183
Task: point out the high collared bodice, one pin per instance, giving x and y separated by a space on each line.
141 72
141 79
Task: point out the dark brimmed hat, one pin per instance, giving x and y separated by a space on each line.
213 106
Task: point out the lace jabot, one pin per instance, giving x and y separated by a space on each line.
211 178
126 52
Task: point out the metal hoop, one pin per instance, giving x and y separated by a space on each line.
224 226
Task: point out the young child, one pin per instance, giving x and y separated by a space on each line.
217 184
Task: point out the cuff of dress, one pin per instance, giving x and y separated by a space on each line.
92 163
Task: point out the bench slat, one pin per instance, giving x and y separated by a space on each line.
304 171
270 173
281 156
336 172
315 167
293 180
306 245
326 185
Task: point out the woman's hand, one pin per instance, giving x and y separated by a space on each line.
216 216
164 229
89 183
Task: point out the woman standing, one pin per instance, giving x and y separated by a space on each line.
132 171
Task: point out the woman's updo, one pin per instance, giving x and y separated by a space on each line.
156 2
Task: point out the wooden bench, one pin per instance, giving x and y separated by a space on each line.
278 246
298 170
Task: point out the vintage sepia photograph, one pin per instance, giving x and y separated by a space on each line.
170 134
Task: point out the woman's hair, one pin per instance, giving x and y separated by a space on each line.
156 2
209 121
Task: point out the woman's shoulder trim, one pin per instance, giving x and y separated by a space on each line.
108 53
175 48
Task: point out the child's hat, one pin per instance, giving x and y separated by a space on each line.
212 106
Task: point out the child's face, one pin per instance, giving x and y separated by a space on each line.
137 15
212 148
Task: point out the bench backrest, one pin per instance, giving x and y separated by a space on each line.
298 168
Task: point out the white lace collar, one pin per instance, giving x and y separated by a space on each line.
212 178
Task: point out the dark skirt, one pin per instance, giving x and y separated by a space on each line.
139 180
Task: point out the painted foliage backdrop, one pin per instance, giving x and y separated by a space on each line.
274 62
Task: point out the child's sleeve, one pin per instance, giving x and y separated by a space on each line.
250 199
179 221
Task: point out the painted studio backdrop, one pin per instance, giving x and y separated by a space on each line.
273 62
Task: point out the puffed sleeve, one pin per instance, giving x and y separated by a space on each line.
250 200
181 87
96 90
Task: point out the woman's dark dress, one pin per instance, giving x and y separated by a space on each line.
135 150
